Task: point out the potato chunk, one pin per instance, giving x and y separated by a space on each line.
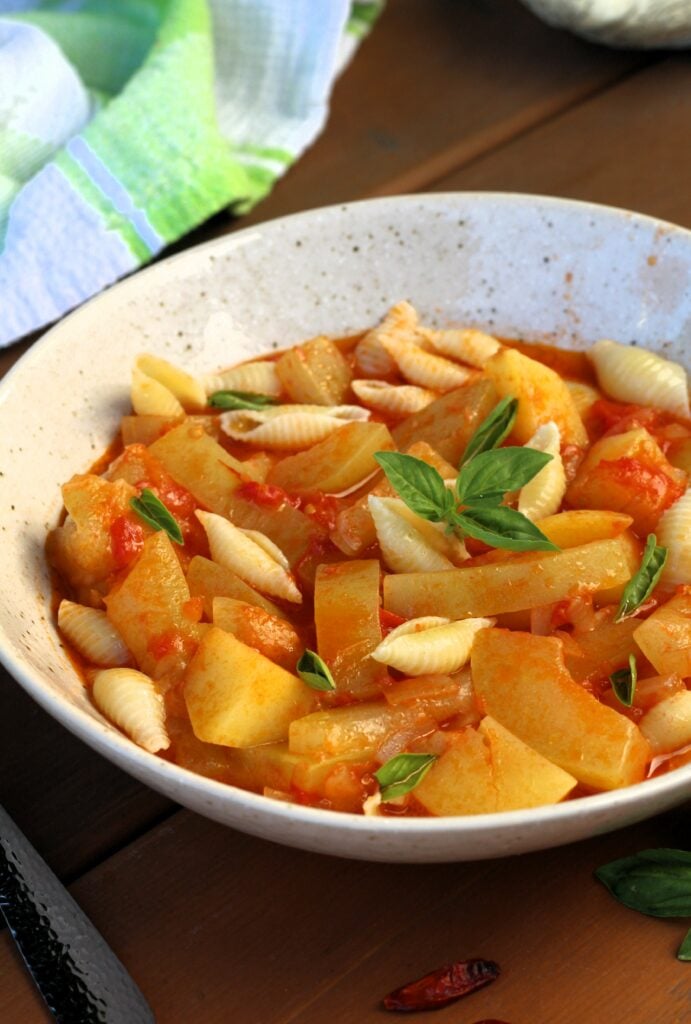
522 682
524 581
340 461
581 526
314 373
542 396
449 423
523 778
271 636
665 636
346 615
238 698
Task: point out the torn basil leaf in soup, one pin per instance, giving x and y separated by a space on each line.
402 773
315 672
493 429
624 682
152 511
240 400
643 582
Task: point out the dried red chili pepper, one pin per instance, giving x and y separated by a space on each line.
443 986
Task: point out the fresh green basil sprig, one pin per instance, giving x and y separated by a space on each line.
481 485
654 882
152 510
241 400
315 672
493 429
402 773
642 583
624 682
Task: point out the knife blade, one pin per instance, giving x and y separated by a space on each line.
76 972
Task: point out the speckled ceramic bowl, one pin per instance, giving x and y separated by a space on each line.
516 265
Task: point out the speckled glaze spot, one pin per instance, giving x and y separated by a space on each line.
493 261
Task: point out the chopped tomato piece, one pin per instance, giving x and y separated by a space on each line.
126 539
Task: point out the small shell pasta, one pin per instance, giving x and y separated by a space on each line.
430 644
542 496
583 395
289 427
635 375
674 533
129 698
423 368
151 398
392 399
187 389
468 346
409 543
92 634
255 563
259 378
400 322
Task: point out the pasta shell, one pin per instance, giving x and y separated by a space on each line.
400 322
469 346
129 698
151 398
92 635
635 375
409 543
423 368
429 644
583 395
543 495
396 400
289 427
674 533
266 544
255 563
259 378
187 389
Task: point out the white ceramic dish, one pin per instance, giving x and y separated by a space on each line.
516 265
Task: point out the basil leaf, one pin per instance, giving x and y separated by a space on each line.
503 528
654 882
420 486
493 429
684 951
402 773
641 585
494 473
624 682
152 510
240 400
315 672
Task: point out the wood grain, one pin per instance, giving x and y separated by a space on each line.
216 926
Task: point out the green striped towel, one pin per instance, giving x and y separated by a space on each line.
125 123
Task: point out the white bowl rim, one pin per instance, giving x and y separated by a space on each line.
109 741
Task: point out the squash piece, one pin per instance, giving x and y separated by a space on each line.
354 530
522 682
522 777
201 465
355 729
145 429
271 636
238 698
152 611
335 464
542 396
665 636
667 726
627 473
449 423
207 579
440 696
599 652
314 373
581 526
521 582
346 615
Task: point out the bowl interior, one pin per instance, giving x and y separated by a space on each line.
518 266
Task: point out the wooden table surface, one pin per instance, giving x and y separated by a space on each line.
216 926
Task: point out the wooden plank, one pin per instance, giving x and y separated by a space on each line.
216 926
434 86
629 147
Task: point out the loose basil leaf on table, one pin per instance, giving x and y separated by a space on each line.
315 672
240 400
493 429
419 485
503 527
402 773
643 582
684 951
624 682
152 510
654 882
489 475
